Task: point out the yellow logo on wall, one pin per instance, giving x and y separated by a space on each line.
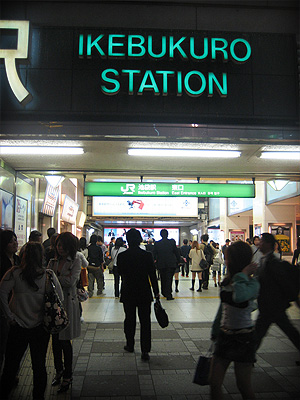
10 56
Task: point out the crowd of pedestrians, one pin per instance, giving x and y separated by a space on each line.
249 275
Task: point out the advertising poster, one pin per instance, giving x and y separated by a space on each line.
257 230
147 233
6 209
282 233
216 235
21 220
236 235
145 207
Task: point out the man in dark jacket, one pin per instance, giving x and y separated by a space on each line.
95 267
273 299
167 257
50 233
136 267
185 251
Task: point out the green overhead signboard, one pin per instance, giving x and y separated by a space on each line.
169 189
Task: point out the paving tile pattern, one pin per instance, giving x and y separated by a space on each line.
103 370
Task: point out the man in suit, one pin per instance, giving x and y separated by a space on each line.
136 267
167 258
273 298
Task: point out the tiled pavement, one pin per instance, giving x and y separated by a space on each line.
103 370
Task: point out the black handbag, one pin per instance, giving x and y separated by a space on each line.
160 314
202 369
204 264
55 316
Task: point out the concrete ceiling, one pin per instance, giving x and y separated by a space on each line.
109 158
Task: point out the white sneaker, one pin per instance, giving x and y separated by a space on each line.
81 319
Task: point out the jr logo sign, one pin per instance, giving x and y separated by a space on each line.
10 56
129 189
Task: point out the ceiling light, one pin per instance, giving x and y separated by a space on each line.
40 150
54 180
184 153
281 155
277 184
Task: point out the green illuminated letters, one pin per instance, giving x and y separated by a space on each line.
179 83
152 86
91 44
187 87
116 83
176 46
163 47
112 44
138 45
165 80
222 90
192 49
215 48
130 73
248 48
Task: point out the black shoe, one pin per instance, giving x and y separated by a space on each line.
145 357
57 378
216 285
199 290
191 288
170 298
64 387
129 349
176 290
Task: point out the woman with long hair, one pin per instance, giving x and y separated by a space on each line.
196 255
233 328
115 251
24 314
67 267
8 259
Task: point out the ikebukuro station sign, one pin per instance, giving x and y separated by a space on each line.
226 190
191 49
147 75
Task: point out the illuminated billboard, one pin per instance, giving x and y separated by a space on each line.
145 206
147 233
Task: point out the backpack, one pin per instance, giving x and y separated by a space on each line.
209 254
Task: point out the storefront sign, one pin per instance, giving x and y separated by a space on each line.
168 189
21 220
50 200
69 211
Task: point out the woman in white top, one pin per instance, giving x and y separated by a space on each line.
25 314
117 249
67 267
196 255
